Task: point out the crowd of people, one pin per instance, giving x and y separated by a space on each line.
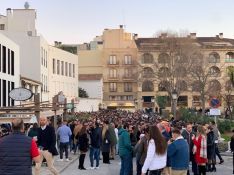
160 146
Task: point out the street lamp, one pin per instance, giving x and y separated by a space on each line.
174 98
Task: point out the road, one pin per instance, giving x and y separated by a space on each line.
114 167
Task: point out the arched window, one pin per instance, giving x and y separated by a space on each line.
214 71
181 58
214 87
180 71
163 86
181 85
197 58
148 72
230 55
147 58
147 86
164 72
163 58
196 86
214 57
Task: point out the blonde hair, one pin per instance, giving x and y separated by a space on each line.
104 129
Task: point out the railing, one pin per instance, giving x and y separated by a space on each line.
112 63
229 60
113 77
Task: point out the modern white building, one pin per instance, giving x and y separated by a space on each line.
9 70
36 65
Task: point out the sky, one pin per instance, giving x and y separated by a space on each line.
79 21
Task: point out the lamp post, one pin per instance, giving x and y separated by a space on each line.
174 98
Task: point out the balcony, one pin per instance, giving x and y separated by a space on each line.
113 63
229 60
128 77
113 78
148 104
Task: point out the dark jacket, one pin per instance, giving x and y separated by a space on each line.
47 139
232 143
15 155
141 150
188 136
84 142
96 137
106 142
33 132
211 146
178 151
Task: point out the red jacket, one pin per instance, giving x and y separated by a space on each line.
199 160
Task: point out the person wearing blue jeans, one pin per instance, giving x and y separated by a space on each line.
126 164
94 154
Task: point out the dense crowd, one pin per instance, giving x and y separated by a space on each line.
160 146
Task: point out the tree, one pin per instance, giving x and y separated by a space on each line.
83 93
204 76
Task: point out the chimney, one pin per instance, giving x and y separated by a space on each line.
193 35
221 35
56 43
8 11
135 36
121 26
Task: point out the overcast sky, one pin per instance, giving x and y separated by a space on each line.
78 21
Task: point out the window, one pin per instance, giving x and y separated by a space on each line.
58 67
113 87
129 97
147 86
0 58
127 87
4 92
46 60
112 98
214 57
12 63
112 59
42 56
147 58
74 72
9 90
3 59
164 58
70 71
128 73
54 67
113 73
12 87
9 61
127 59
2 26
62 67
66 69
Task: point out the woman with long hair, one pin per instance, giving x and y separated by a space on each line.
200 149
105 143
156 154
83 146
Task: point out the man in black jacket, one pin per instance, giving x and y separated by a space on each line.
46 143
95 138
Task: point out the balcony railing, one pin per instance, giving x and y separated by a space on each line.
112 63
229 60
113 77
147 104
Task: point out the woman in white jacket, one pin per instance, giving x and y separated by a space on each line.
156 154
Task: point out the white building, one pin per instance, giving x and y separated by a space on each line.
9 70
37 56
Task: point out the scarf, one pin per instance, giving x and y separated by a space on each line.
203 150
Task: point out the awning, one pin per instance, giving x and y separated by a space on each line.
113 105
129 105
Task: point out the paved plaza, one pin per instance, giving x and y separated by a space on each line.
71 168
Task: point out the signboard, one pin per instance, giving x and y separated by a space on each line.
70 106
20 94
214 102
215 111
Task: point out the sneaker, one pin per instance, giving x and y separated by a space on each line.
60 160
97 167
221 161
67 160
91 168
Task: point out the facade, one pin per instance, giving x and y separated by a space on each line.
219 53
9 70
19 26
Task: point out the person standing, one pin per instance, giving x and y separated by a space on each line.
46 143
95 138
33 132
64 133
83 146
156 153
200 150
178 151
106 143
125 152
211 149
113 140
187 135
232 149
217 135
17 151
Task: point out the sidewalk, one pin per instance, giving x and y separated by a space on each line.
60 166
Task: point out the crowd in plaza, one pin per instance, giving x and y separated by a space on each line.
160 146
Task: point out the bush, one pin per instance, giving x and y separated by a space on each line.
225 126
